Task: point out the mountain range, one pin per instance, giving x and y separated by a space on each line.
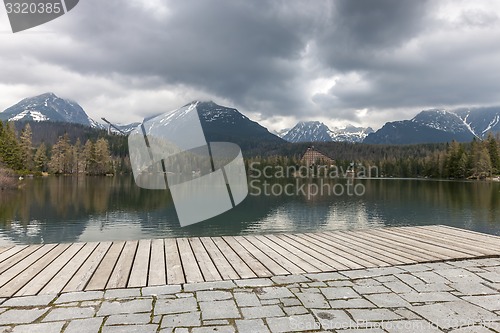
431 126
222 123
315 131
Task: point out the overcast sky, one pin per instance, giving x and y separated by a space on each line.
362 62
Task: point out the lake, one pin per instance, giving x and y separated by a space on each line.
70 209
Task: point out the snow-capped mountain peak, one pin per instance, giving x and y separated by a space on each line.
316 131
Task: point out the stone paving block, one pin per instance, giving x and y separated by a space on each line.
219 310
453 314
489 302
219 322
128 306
316 284
151 328
260 282
364 290
432 287
469 289
29 301
490 276
129 319
368 315
430 277
289 279
339 293
414 268
270 301
439 265
413 326
295 310
39 328
18 316
215 295
246 299
161 290
407 314
274 292
326 276
409 279
340 283
429 297
367 282
389 300
398 287
182 319
59 314
266 311
89 325
88 303
122 293
289 301
251 326
217 329
352 303
79 296
332 319
209 286
471 329
179 305
459 275
361 330
308 290
315 301
301 323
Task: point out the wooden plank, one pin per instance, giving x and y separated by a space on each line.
472 242
5 248
383 254
8 263
225 269
10 288
270 264
408 244
258 268
64 276
343 250
234 260
175 271
121 272
105 268
157 268
426 244
191 270
422 256
82 276
393 248
23 264
327 256
296 259
493 241
205 263
451 242
305 261
278 258
139 273
37 283
10 251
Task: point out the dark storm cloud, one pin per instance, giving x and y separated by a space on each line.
344 60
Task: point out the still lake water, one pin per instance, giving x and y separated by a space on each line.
69 209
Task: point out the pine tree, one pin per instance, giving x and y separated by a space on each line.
26 146
41 160
494 153
10 151
103 158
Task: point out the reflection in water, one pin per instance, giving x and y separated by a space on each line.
66 209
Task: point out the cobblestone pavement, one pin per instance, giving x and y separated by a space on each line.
460 296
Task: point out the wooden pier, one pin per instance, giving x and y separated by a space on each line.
56 268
